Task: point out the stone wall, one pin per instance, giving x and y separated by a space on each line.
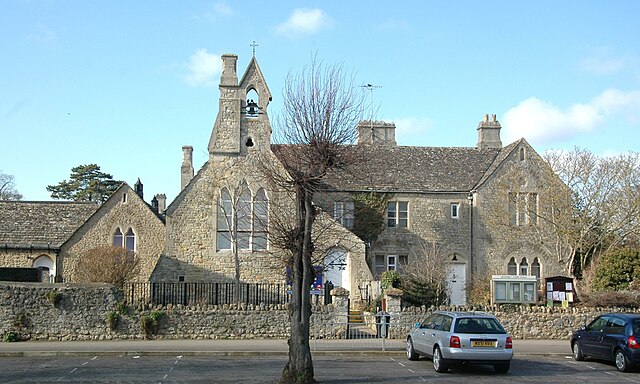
26 309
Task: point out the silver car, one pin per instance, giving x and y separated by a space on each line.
461 338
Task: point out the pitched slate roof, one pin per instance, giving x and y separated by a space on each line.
41 223
414 169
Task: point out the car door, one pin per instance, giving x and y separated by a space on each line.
591 340
613 336
422 335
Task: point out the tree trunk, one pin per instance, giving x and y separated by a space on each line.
299 368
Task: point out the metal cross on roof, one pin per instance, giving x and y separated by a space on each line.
254 45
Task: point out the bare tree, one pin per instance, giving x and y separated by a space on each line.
317 125
606 202
425 277
7 188
108 264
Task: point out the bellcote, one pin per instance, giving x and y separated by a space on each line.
242 123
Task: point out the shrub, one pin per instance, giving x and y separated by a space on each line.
10 337
108 264
54 297
151 322
112 319
123 309
390 279
616 269
417 292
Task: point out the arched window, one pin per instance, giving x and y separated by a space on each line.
512 268
260 220
522 154
223 220
535 268
243 215
524 267
130 240
118 238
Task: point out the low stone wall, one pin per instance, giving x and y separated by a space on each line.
27 311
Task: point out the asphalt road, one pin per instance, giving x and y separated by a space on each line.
329 369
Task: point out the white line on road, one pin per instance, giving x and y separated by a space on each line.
165 376
609 373
94 357
422 378
590 367
85 363
74 369
400 364
412 371
631 380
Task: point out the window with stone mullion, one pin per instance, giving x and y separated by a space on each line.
224 220
243 217
260 221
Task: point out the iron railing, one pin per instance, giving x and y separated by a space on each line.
207 293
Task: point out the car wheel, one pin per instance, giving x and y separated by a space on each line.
502 367
411 353
439 364
577 352
621 361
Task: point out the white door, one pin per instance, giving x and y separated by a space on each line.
456 282
335 269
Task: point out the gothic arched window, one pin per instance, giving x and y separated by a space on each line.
512 268
223 220
260 220
535 268
243 216
118 238
130 241
524 267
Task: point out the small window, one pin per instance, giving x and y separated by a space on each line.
124 197
455 207
130 241
398 214
181 279
118 238
524 267
535 268
343 213
512 268
522 153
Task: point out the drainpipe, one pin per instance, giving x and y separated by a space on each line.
470 198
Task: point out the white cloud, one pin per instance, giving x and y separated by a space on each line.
203 67
411 130
544 123
304 21
222 9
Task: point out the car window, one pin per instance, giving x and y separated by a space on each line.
429 321
598 324
438 324
446 324
636 327
479 325
615 326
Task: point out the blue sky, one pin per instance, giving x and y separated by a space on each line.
125 84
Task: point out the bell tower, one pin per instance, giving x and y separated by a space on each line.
242 124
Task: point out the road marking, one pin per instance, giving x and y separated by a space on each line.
136 357
400 364
85 363
609 373
165 376
412 371
74 369
392 359
422 378
590 367
631 380
60 379
94 357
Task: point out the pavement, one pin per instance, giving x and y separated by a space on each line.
262 347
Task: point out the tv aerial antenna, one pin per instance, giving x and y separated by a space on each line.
371 88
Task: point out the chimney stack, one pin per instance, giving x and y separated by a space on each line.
159 203
186 172
489 133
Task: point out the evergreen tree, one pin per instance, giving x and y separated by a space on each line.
86 183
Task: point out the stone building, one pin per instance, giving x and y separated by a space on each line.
32 233
483 207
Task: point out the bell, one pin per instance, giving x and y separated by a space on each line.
252 108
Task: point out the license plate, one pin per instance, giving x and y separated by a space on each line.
483 343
